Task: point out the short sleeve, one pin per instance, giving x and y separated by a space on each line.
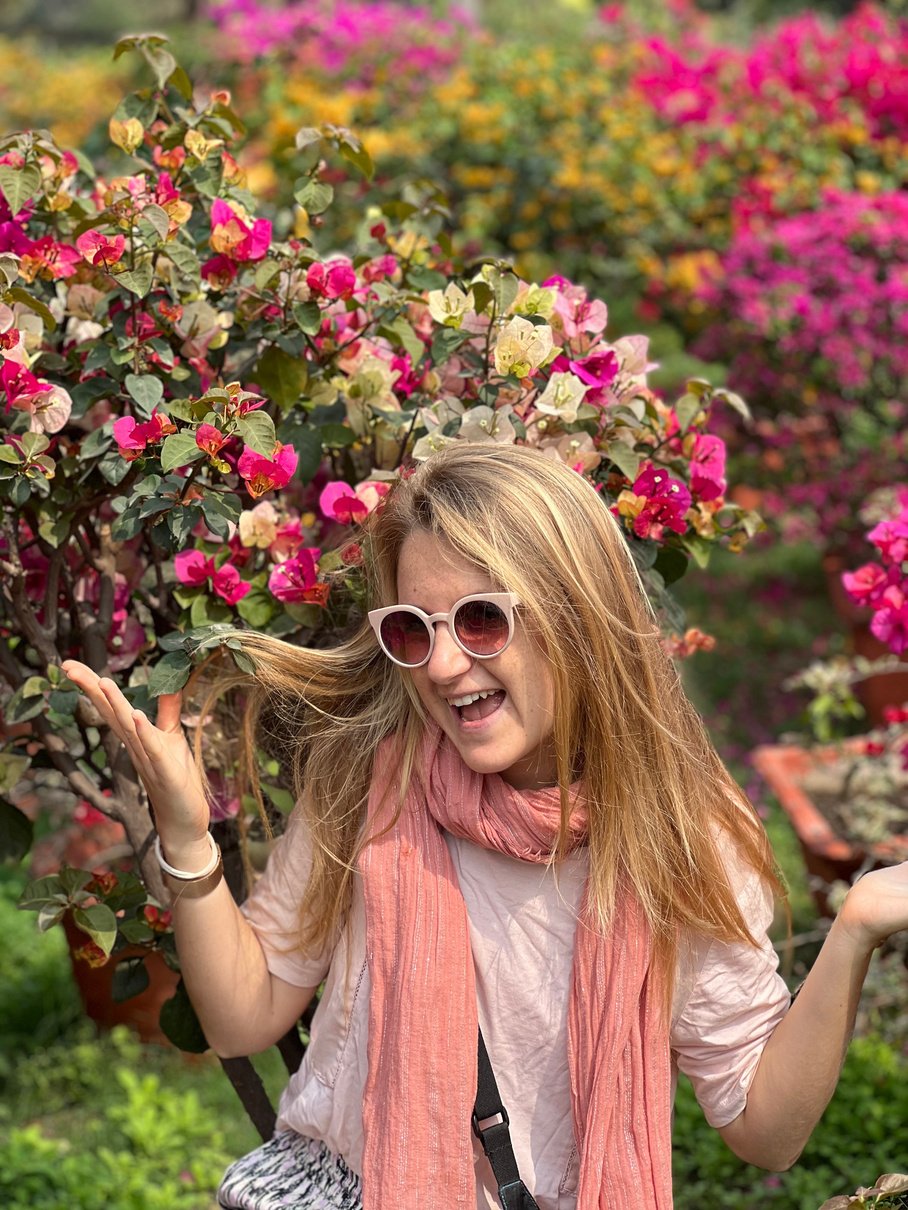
736 999
273 909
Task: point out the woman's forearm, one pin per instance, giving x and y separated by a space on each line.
242 1007
801 1063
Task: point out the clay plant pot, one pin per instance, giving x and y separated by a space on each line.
140 1013
828 856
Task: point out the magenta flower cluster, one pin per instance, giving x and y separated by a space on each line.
348 39
860 63
883 586
813 308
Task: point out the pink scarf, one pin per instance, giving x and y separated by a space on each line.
422 1011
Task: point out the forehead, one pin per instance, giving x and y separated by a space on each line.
433 575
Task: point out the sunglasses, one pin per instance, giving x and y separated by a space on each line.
482 625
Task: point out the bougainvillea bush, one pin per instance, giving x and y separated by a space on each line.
195 417
811 314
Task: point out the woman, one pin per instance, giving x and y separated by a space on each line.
508 813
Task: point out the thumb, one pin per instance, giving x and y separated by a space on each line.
169 708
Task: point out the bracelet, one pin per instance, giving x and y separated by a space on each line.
183 885
182 874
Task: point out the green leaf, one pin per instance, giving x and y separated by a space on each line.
73 881
355 153
19 185
305 136
185 260
308 316
734 401
54 530
282 377
181 82
170 673
307 441
315 197
146 390
130 978
401 330
162 63
135 931
422 278
257 608
21 707
9 453
158 220
138 280
482 295
42 891
257 430
180 1024
626 460
686 410
671 564
179 449
12 768
99 922
699 548
16 832
114 467
336 436
34 304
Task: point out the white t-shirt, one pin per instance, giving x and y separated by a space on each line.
728 999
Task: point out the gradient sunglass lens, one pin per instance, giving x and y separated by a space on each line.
482 627
405 637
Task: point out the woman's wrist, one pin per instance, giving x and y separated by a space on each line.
191 856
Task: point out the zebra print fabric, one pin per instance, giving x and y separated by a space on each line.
290 1172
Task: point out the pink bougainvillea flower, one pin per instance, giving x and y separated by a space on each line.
598 371
193 567
707 467
98 249
890 623
656 502
340 502
49 406
233 236
219 271
227 583
293 580
335 278
262 474
890 537
867 584
132 437
49 259
209 438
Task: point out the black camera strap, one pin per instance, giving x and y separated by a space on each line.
491 1127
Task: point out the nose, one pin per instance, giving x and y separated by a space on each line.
447 660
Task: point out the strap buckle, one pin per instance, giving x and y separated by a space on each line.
481 1126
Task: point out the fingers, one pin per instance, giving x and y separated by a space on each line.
169 711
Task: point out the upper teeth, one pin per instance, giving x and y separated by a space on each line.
471 697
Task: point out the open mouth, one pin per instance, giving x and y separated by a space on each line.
480 707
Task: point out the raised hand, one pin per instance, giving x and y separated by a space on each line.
877 905
163 760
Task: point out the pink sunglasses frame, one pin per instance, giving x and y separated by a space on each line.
507 602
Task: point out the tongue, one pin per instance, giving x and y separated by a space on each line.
483 707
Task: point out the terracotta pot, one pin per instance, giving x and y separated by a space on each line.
827 855
874 693
140 1013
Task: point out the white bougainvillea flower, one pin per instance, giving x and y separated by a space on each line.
450 305
522 347
562 396
485 424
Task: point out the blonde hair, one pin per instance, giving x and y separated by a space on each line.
664 812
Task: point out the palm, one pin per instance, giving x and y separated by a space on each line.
159 752
877 904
